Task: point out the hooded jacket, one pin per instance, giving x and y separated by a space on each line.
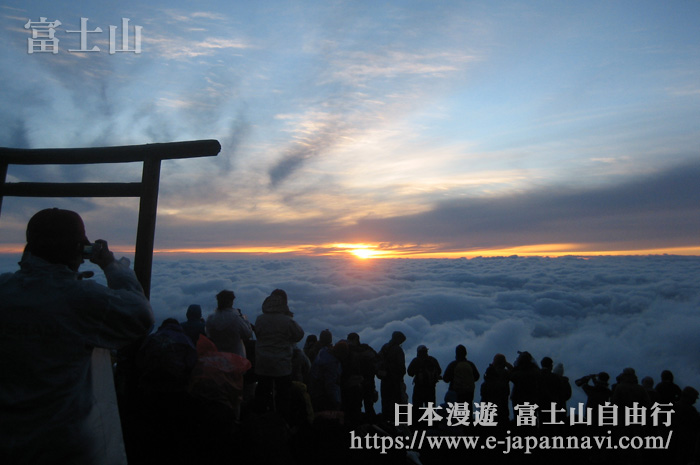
276 333
393 358
50 322
325 381
227 328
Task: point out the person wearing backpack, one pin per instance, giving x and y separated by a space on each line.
363 362
276 334
425 371
391 370
496 387
462 375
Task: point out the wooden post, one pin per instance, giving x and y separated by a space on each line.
146 232
3 176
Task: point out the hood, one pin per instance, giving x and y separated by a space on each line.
397 337
275 304
194 312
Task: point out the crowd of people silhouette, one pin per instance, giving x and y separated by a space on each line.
328 387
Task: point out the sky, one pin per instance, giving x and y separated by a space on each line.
398 128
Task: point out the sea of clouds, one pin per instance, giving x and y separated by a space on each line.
593 314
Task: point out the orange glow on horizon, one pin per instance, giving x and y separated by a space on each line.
262 250
366 251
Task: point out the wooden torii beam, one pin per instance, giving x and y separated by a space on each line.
147 190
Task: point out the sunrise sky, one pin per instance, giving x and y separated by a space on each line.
381 129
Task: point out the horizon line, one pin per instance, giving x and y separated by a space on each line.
365 251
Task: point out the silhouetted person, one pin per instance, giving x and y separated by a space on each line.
52 326
301 366
250 381
351 383
366 358
301 411
564 390
227 327
326 372
166 359
311 340
276 333
554 388
392 361
164 365
627 391
549 384
462 376
648 385
194 326
525 377
496 387
325 339
598 394
686 427
425 371
667 391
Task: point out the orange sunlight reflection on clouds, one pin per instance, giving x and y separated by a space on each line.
366 251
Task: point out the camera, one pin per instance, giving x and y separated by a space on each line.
87 251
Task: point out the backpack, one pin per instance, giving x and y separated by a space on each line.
368 360
427 374
463 378
165 360
382 364
218 376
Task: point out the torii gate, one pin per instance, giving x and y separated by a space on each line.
147 190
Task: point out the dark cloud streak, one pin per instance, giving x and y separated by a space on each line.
661 207
328 132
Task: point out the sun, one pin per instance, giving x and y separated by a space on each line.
364 253
360 250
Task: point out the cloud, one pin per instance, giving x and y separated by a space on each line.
314 134
360 66
595 314
174 16
177 48
660 209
